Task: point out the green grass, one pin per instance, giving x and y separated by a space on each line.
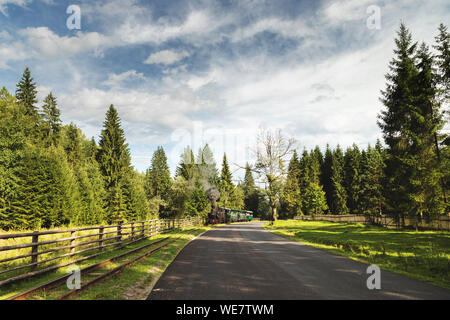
135 278
423 255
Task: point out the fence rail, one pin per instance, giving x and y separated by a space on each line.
94 239
441 223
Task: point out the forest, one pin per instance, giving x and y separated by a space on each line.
51 175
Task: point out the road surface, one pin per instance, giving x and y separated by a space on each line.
245 262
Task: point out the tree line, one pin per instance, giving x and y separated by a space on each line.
52 175
407 177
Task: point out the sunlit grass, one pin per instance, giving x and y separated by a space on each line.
185 236
423 255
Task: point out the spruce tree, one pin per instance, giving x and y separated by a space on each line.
396 123
207 166
442 61
114 161
73 144
187 169
371 191
338 193
427 121
226 186
251 198
158 175
52 118
352 179
26 93
291 195
326 176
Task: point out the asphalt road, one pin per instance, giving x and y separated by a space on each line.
245 262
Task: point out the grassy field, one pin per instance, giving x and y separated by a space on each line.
133 282
423 255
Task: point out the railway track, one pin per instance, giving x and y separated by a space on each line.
95 273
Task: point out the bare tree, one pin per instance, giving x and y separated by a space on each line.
272 154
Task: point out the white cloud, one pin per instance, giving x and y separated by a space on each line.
346 10
287 28
5 35
4 5
199 24
116 80
50 44
166 57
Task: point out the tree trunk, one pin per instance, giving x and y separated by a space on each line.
274 214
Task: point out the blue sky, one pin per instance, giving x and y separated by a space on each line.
190 72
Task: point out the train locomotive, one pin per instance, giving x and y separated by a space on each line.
225 215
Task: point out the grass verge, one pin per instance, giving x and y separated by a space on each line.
424 255
131 283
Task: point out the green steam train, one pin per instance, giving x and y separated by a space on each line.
226 215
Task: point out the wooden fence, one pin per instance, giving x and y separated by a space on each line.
441 223
73 242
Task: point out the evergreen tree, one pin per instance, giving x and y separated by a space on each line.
291 196
26 93
73 144
187 169
395 122
207 166
427 120
442 61
52 118
314 201
338 194
352 179
371 191
226 186
326 176
158 175
251 198
114 161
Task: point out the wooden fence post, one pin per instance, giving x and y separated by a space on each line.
72 242
100 237
34 249
132 231
119 232
143 229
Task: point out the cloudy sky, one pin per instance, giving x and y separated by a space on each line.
190 72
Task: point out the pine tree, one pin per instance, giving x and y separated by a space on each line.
371 191
325 177
251 198
291 197
187 168
313 199
158 180
114 161
207 166
427 120
158 175
338 194
442 61
73 144
26 93
52 118
395 122
226 186
352 179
